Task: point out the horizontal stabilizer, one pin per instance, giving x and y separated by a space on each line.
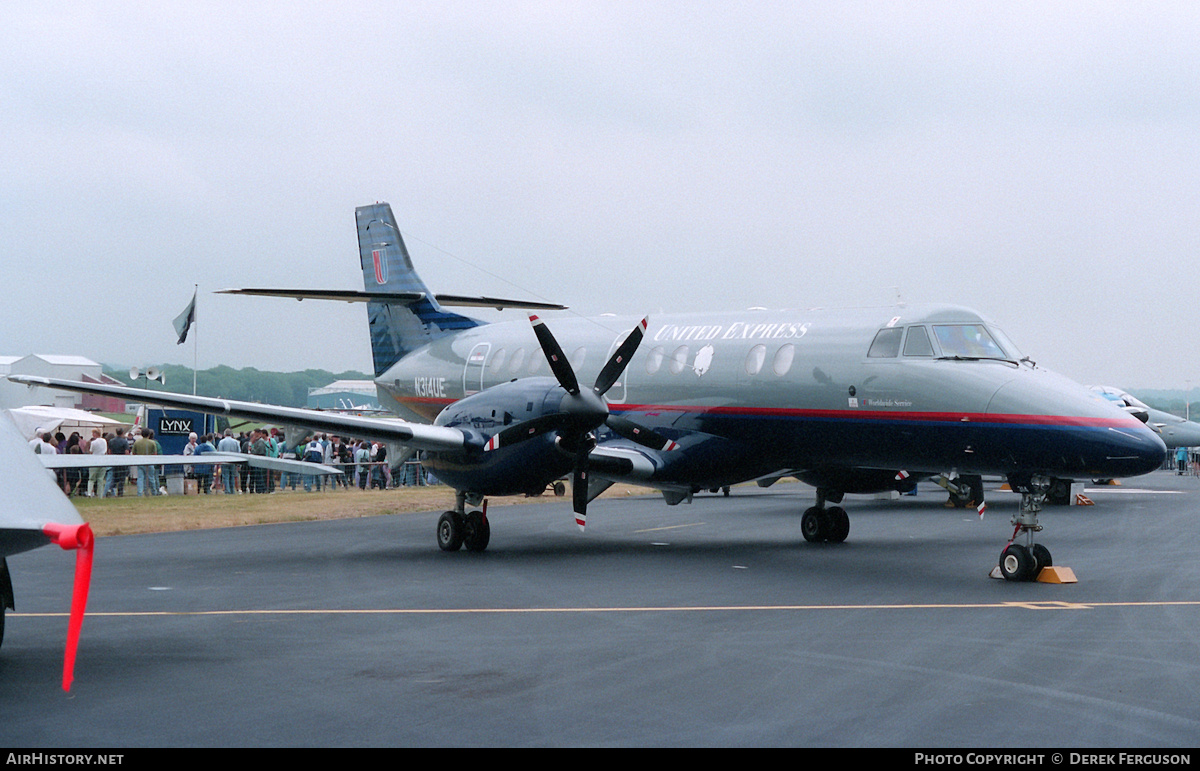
205 459
404 298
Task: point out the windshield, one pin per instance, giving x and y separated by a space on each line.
968 341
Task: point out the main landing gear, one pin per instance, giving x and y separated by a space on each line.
1023 561
825 525
459 528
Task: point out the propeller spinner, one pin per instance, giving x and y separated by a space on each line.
582 411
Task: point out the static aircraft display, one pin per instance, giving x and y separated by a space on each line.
849 401
1175 431
34 512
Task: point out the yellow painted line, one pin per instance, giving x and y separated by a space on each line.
668 527
1031 605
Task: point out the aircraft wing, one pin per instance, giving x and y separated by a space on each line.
31 497
416 435
354 296
34 512
113 461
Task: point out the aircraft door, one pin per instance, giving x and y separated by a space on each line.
473 370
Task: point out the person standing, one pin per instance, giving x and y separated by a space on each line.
119 445
98 446
229 470
144 445
203 472
258 446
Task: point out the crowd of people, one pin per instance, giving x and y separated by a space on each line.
363 464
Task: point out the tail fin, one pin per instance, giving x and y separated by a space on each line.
397 328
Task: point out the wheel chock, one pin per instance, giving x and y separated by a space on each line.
1083 500
1055 574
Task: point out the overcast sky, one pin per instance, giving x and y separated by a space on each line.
1039 162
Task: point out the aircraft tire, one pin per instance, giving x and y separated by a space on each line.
450 528
477 533
839 525
1041 558
812 525
1016 563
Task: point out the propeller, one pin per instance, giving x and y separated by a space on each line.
582 411
81 539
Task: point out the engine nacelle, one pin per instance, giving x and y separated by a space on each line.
524 468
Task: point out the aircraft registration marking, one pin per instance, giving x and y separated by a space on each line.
430 386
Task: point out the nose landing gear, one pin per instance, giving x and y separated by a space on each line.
1027 561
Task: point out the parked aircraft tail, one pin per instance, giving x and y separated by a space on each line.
403 314
397 328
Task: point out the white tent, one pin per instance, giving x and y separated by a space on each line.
33 420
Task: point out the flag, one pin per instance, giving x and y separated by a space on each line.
184 321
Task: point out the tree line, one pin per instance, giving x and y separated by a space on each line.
289 389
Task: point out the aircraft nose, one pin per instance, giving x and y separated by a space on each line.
1132 451
1090 437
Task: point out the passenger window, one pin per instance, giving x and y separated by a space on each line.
783 359
917 343
886 344
755 359
678 360
654 360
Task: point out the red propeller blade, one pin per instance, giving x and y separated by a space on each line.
81 539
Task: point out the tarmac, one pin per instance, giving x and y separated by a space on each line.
705 624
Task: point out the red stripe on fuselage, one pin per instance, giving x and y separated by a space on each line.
852 415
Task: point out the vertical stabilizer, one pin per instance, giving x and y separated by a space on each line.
397 328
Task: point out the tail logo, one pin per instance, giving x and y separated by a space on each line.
380 267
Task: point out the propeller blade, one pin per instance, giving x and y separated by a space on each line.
579 496
554 354
639 434
81 539
526 430
620 359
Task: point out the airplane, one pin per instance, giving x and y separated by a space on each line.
34 512
1175 431
848 401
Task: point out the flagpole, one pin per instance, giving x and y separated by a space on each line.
195 341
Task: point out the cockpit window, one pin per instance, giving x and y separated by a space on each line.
917 343
886 344
969 341
1120 397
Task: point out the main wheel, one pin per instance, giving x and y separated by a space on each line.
450 531
477 532
839 525
1016 563
812 525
